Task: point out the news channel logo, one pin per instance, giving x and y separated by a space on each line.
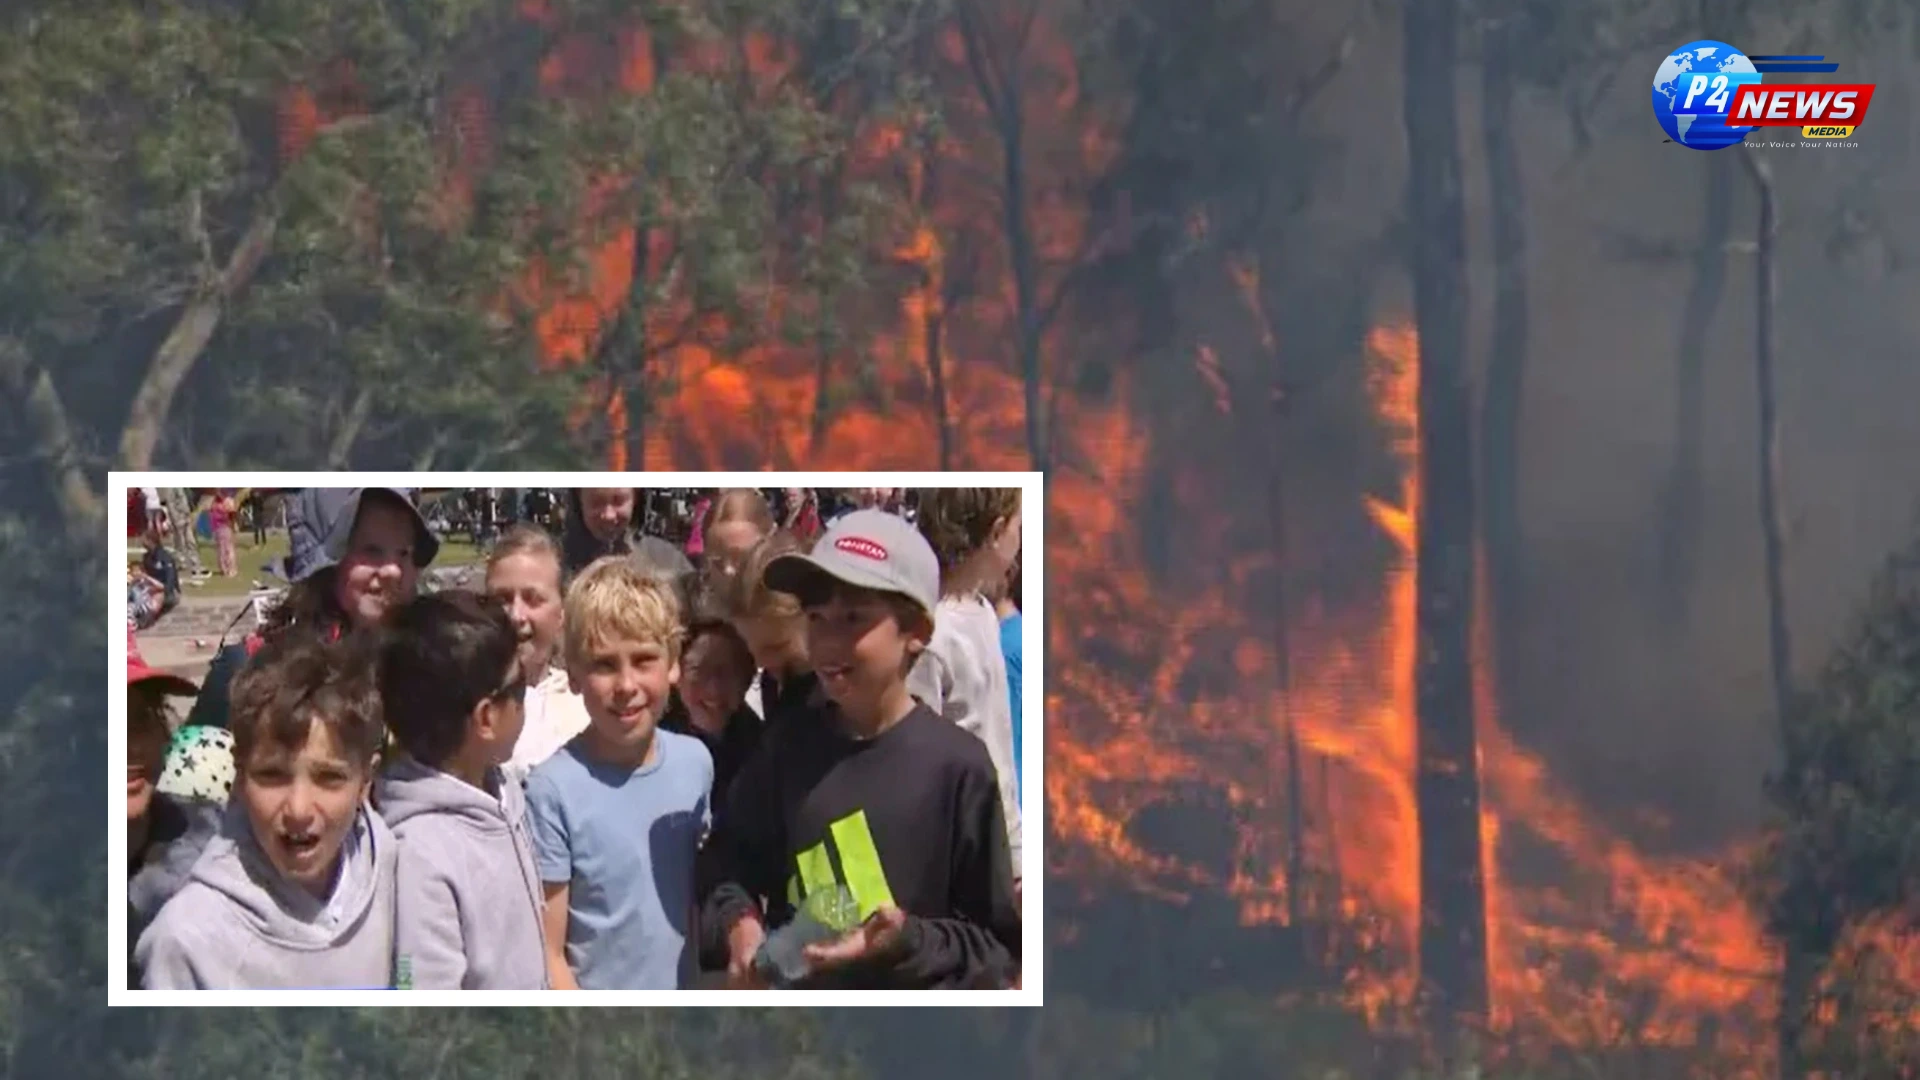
1702 86
1691 91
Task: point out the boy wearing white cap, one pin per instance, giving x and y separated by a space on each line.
873 792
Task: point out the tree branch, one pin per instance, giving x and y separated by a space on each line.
424 463
980 58
189 338
25 381
1316 83
195 327
340 448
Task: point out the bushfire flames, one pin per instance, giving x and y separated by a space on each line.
1150 695
1627 946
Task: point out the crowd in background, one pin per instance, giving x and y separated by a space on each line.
675 739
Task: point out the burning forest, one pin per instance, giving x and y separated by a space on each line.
1289 733
1151 253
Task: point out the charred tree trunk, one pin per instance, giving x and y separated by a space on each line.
1297 909
1507 351
1026 273
1154 181
1796 986
823 343
1685 488
1453 961
933 317
622 353
1773 529
996 72
636 397
933 333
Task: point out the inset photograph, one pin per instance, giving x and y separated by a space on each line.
695 736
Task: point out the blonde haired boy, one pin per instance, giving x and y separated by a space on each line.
618 812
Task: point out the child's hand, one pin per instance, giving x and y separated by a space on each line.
743 944
874 939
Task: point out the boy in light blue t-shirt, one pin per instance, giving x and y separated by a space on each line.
619 812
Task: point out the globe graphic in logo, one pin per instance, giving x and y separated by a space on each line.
1693 90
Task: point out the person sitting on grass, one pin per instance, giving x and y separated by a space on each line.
297 890
619 811
160 568
469 904
871 792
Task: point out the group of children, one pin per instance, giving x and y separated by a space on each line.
559 784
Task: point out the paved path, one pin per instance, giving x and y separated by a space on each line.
183 642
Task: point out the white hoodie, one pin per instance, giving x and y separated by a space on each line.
469 900
962 675
238 924
555 714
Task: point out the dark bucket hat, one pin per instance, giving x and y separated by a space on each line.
320 521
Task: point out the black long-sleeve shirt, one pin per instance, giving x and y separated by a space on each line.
731 749
910 817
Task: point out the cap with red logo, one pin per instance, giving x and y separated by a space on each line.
871 549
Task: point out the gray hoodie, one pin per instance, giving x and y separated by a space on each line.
469 899
239 925
180 831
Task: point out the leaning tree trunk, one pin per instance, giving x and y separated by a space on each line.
1686 486
1796 986
1453 961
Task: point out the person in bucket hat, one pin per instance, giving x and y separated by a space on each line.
870 794
354 556
320 523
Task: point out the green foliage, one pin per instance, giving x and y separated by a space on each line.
1846 857
1849 789
140 142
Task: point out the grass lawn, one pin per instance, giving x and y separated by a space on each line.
253 561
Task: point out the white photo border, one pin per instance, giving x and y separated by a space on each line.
1032 747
